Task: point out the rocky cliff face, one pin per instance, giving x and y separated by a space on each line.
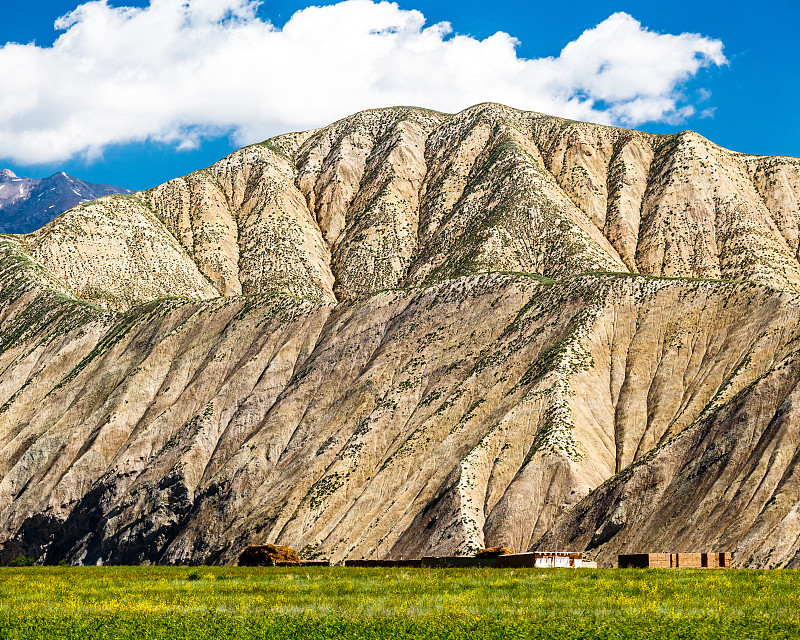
411 333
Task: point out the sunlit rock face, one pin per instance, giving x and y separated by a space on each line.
411 333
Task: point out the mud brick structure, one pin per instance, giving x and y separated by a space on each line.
534 559
675 560
542 560
383 563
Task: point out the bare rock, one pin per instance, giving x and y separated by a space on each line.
411 333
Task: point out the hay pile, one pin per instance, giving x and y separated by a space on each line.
493 552
267 555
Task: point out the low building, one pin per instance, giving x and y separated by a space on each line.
530 560
533 559
545 560
716 560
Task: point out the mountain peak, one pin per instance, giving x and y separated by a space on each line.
26 204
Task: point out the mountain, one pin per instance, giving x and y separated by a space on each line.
412 333
28 203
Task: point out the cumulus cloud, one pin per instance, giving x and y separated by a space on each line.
179 70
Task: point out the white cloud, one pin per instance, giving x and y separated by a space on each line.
178 70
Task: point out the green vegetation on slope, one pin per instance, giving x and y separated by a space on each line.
203 602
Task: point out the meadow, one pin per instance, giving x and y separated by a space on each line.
315 603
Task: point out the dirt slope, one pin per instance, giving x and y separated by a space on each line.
411 333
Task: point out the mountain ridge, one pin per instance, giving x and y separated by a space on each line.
618 228
410 333
28 203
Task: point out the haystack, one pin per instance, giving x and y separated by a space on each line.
267 555
493 552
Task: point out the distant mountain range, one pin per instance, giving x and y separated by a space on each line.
29 203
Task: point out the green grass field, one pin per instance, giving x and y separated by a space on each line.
315 603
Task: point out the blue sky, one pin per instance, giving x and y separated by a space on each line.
743 94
